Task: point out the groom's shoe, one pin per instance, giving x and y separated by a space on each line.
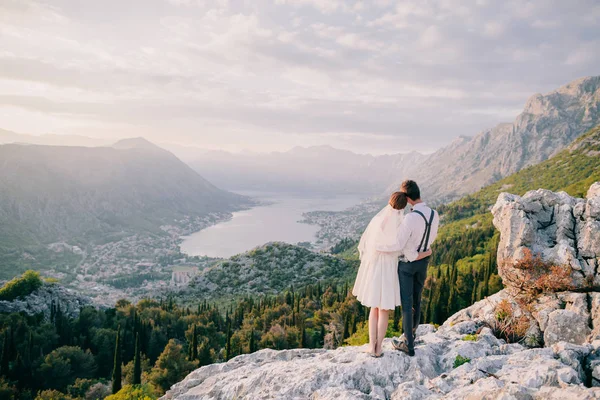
403 347
403 336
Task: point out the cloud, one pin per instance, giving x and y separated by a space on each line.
325 6
271 72
493 29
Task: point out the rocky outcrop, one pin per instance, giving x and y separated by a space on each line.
547 125
40 301
562 229
558 356
496 369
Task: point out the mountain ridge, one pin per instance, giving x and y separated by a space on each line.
548 124
67 191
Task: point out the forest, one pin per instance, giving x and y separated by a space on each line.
142 349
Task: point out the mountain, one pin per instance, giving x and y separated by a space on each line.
548 124
52 139
314 169
268 269
81 194
572 170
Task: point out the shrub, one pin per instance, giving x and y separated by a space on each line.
134 392
532 276
507 325
7 390
460 360
52 395
21 286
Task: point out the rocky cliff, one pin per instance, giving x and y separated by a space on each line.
553 354
40 301
547 125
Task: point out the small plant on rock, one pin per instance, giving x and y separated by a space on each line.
460 360
470 338
507 325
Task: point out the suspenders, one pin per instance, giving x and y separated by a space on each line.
427 231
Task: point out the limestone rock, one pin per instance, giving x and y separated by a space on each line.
40 301
496 370
562 229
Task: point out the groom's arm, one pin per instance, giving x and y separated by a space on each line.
401 240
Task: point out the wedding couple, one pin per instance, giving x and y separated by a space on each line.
394 254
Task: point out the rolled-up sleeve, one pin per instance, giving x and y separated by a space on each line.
411 255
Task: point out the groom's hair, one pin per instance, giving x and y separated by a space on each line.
411 189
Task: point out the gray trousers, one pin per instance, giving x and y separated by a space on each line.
412 279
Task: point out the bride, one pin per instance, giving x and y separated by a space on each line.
377 284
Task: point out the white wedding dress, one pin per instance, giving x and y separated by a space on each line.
377 279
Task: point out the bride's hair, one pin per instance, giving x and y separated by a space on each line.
398 200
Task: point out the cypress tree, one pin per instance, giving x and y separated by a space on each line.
5 356
252 344
346 334
137 362
205 357
194 344
303 343
116 375
322 336
30 348
228 346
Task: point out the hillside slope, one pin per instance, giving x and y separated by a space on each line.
268 269
81 194
547 125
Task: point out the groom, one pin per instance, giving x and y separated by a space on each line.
417 232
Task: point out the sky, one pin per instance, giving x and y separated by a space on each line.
376 76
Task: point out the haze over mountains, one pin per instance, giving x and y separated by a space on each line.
321 169
547 125
55 193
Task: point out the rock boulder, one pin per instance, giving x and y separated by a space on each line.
563 230
495 370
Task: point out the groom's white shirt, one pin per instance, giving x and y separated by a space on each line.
411 232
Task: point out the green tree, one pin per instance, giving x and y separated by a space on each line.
205 356
137 362
4 362
116 375
64 365
171 367
228 345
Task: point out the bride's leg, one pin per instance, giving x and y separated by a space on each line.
373 321
382 326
